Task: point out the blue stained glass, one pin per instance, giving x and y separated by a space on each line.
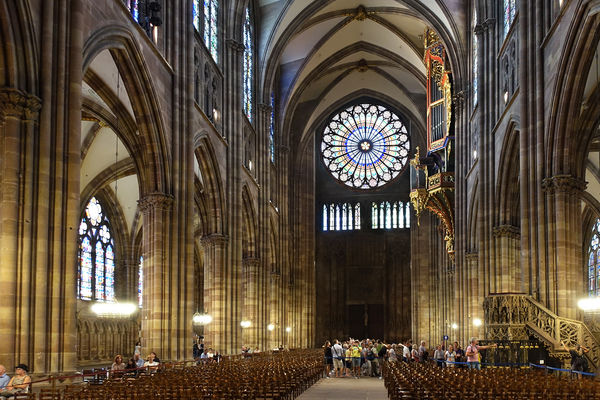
85 270
99 271
96 264
272 130
141 282
210 29
248 66
594 261
109 274
365 146
510 11
133 9
196 14
475 60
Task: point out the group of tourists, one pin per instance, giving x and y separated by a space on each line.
356 358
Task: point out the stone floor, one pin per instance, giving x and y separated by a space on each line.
346 389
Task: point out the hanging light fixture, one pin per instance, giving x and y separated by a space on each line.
201 318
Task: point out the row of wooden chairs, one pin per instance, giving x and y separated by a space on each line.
263 377
425 381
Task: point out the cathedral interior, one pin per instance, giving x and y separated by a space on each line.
272 173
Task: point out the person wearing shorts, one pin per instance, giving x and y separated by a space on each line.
337 353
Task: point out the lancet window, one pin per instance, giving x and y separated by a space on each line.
96 266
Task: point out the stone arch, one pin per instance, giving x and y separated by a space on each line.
508 189
212 189
18 50
128 58
267 69
567 142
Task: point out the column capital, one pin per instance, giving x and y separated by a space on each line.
250 261
214 239
154 200
563 184
478 29
509 231
19 104
235 45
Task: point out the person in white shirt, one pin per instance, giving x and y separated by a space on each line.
337 352
450 357
151 362
392 357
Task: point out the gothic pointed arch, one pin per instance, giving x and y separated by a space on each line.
137 81
508 189
567 142
18 49
212 186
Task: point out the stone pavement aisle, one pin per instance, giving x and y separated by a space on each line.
346 389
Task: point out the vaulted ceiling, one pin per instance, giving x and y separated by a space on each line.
328 50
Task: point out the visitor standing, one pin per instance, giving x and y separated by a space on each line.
473 353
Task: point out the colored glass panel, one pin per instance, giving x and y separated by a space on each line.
594 261
196 14
248 66
475 60
365 146
96 259
141 282
357 216
211 26
85 269
272 130
510 11
134 9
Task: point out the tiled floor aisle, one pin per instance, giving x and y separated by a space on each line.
346 389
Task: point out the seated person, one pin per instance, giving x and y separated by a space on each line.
18 383
117 365
152 362
131 368
4 378
139 363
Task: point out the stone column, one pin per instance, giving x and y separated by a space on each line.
18 117
563 193
250 279
156 211
508 277
215 286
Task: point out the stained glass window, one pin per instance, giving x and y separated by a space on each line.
133 9
365 146
196 15
341 217
510 10
475 59
248 65
390 215
211 9
141 282
594 261
96 266
272 130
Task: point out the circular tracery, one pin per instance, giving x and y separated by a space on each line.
365 146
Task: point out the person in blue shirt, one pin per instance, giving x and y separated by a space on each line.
4 378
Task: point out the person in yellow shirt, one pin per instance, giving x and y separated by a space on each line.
348 359
356 350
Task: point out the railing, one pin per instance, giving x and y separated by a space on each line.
515 316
